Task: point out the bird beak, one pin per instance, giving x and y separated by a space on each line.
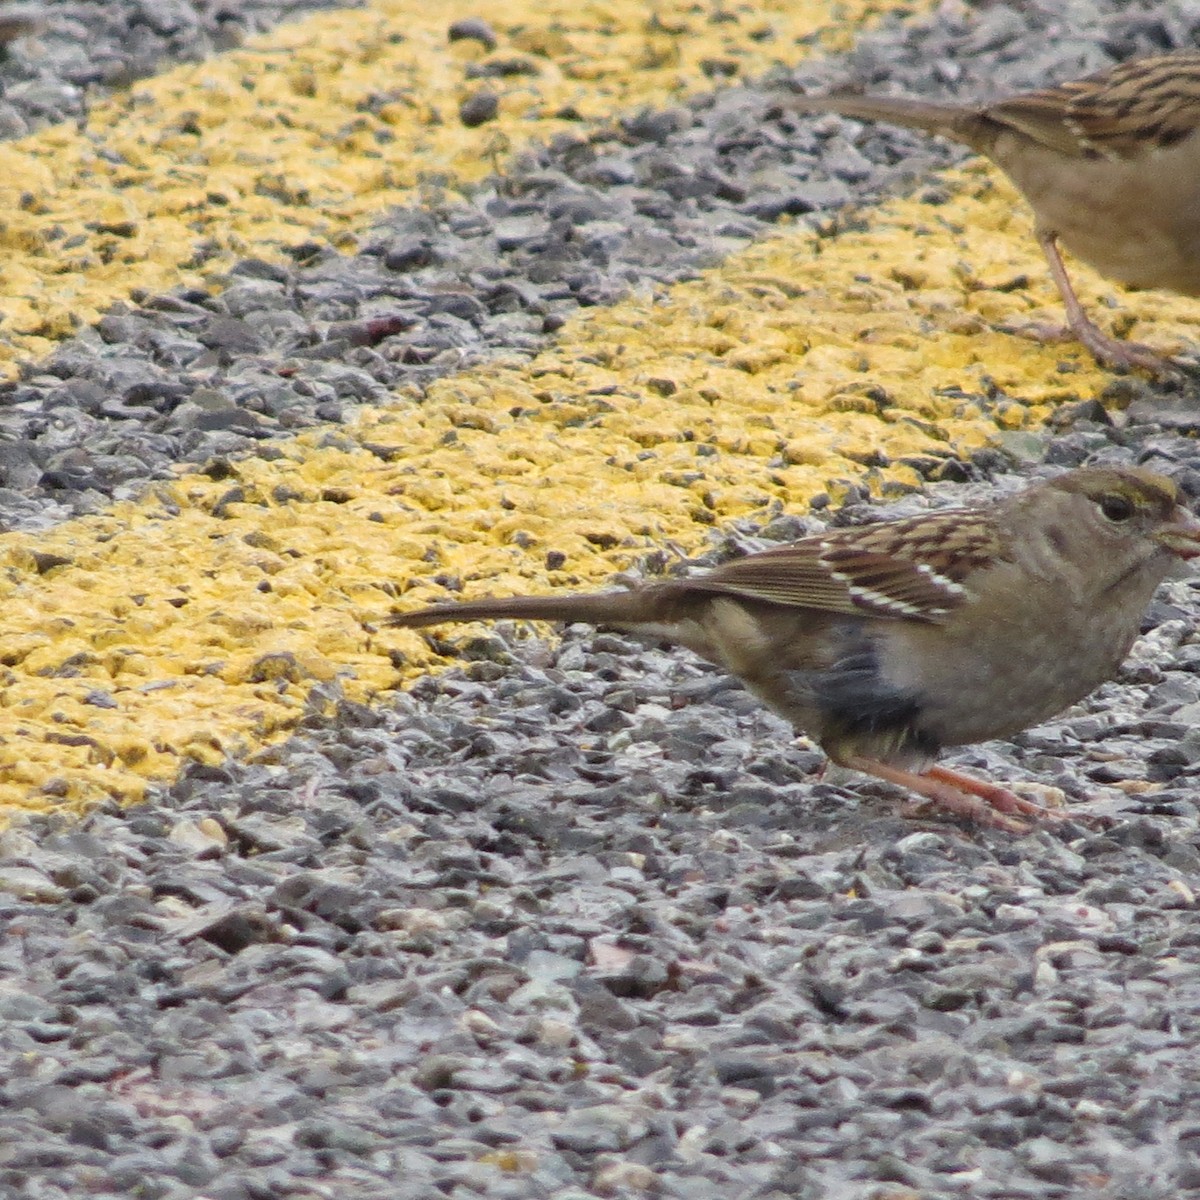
1182 535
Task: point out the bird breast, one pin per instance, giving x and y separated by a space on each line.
1036 652
1135 220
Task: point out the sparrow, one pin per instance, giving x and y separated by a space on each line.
886 642
1110 165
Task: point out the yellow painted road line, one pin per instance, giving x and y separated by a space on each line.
317 127
205 621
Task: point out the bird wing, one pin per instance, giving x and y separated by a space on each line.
1115 113
911 569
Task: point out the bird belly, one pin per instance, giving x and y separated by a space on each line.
1134 220
855 709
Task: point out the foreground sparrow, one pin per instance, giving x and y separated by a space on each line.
1110 165
887 642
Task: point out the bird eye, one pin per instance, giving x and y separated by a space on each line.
1116 507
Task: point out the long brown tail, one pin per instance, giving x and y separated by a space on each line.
649 605
954 121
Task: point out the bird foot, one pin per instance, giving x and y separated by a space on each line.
1108 351
976 811
982 802
994 799
1126 356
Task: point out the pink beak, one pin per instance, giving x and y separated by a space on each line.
1182 535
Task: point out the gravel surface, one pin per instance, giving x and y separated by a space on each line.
578 919
79 49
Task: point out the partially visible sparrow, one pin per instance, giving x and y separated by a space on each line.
1110 165
887 642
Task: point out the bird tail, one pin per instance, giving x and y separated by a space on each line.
948 120
642 607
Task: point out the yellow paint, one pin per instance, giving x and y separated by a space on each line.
317 127
197 624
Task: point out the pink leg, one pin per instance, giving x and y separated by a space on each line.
984 802
995 795
1108 351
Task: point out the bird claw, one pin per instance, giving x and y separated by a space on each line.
1108 351
971 807
982 802
1127 356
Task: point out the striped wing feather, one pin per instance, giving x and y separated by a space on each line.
911 569
1116 113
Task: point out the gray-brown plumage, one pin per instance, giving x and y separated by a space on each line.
887 642
1110 165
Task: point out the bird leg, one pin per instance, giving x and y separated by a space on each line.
1107 351
987 803
1000 797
